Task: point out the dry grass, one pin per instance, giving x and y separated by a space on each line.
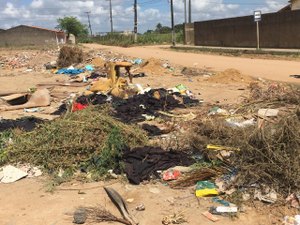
274 93
100 214
190 179
69 55
269 155
90 139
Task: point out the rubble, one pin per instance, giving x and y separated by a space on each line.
85 135
247 151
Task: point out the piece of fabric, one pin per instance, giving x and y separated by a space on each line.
61 110
26 123
152 130
95 75
132 109
143 162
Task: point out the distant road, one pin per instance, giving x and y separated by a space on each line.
272 69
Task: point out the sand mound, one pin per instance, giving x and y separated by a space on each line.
98 62
230 76
153 66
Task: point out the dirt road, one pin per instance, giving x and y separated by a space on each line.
278 70
37 207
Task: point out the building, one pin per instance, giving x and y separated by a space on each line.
295 4
24 35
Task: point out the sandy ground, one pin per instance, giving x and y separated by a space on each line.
278 70
19 80
26 202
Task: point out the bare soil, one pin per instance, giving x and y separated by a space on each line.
26 202
272 69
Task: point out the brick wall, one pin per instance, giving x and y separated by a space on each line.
27 36
189 34
277 30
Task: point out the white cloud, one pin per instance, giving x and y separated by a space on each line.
207 9
274 5
37 3
46 12
10 10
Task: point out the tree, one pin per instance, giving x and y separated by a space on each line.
165 30
162 29
149 32
179 28
158 27
72 25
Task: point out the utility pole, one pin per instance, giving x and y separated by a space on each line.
185 13
172 23
88 15
190 11
111 18
135 21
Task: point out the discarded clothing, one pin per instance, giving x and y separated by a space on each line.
95 75
82 102
152 129
61 110
26 123
141 163
70 71
94 99
131 110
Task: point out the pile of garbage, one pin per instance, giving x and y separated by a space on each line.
88 140
246 151
32 60
262 144
16 62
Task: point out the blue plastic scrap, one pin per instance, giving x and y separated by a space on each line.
70 71
89 68
137 61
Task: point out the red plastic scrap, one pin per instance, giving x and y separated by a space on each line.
171 175
78 107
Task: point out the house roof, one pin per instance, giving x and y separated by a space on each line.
40 28
289 6
286 8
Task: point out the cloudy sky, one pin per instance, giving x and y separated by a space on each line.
45 13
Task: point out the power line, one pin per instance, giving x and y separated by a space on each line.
172 23
135 21
185 15
190 11
88 15
111 17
